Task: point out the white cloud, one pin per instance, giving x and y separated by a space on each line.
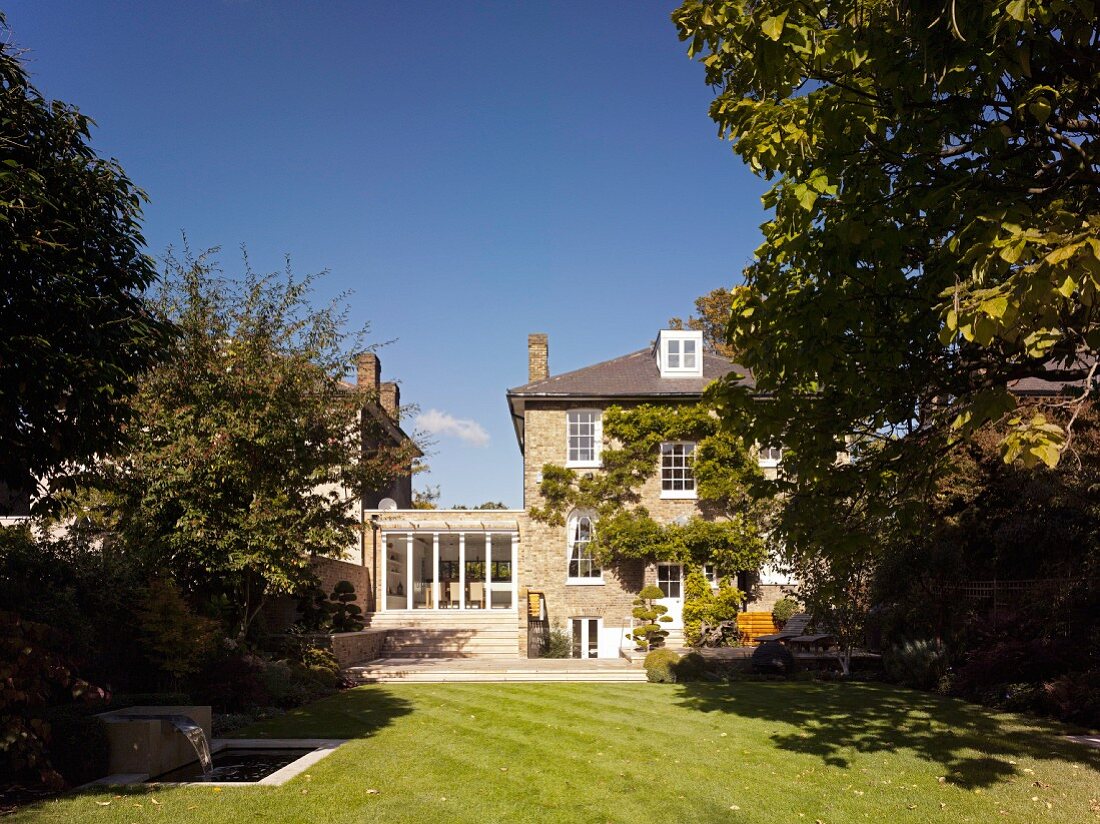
444 424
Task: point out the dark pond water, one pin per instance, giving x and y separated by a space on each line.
238 765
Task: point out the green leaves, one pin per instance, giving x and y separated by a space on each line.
773 26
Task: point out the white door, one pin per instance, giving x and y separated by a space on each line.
586 637
670 580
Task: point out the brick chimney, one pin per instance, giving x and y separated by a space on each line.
389 398
538 357
368 371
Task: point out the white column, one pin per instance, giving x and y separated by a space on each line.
488 570
409 571
435 570
384 584
515 571
462 570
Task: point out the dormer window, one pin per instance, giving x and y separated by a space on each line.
680 353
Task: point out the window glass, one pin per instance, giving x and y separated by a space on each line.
689 354
583 432
673 354
581 562
677 467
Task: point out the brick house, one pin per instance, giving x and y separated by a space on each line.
456 582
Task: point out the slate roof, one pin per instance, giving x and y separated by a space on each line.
632 375
1061 378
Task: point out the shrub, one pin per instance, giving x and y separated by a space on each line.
174 638
773 658
231 683
689 668
78 748
703 604
920 664
1015 660
321 666
286 686
346 616
35 672
315 610
650 635
783 610
559 645
1074 697
660 666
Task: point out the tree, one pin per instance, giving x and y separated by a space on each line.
248 448
936 226
713 319
77 333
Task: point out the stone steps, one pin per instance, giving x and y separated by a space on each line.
514 670
448 634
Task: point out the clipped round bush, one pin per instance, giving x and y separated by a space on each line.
773 658
919 664
690 668
660 666
783 610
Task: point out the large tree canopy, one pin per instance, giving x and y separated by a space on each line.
248 446
76 331
936 227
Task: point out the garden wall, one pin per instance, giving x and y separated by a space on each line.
281 612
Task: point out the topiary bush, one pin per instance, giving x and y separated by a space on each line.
346 616
660 666
919 664
783 610
650 635
773 658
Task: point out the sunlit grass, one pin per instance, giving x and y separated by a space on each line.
751 752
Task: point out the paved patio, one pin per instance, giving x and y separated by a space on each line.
437 670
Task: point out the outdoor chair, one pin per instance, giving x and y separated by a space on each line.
794 628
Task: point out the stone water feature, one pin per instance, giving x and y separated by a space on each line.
149 741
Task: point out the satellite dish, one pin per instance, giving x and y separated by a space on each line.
387 504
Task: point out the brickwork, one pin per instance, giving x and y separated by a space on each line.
544 560
538 357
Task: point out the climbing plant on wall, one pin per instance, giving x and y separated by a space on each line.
730 534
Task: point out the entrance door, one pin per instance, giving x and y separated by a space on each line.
586 637
670 580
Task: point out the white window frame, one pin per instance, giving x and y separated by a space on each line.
672 354
688 470
769 456
571 525
597 437
586 641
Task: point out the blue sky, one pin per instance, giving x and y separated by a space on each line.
471 171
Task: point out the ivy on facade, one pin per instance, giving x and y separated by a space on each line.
729 533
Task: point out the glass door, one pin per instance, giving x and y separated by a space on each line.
670 580
586 637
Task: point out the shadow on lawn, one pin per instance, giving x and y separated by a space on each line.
973 748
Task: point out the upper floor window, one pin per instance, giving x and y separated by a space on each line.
677 470
583 567
680 353
768 458
584 434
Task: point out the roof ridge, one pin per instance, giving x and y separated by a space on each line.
572 372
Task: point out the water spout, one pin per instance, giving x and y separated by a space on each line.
190 730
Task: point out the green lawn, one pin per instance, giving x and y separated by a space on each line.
751 752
